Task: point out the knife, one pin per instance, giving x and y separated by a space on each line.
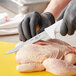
48 32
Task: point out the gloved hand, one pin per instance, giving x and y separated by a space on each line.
69 19
28 26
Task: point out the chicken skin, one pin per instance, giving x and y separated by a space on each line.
37 57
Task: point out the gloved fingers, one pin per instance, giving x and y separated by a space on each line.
74 23
33 24
26 28
71 26
70 30
63 29
61 14
21 34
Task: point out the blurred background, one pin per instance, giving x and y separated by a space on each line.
25 6
13 11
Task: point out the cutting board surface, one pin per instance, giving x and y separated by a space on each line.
8 63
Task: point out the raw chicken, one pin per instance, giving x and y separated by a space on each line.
70 58
59 67
33 57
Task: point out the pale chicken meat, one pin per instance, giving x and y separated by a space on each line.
59 67
70 58
32 57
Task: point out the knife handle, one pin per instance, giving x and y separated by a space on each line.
53 29
37 28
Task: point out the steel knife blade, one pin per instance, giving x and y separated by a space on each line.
30 41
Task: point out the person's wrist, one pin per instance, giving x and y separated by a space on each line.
56 6
49 16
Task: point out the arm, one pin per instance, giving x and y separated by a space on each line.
56 6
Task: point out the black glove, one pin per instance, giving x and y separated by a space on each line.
27 28
69 19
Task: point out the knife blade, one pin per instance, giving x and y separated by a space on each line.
48 32
53 29
30 41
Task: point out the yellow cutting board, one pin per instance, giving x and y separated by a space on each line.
8 63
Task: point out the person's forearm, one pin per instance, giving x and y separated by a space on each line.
56 6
